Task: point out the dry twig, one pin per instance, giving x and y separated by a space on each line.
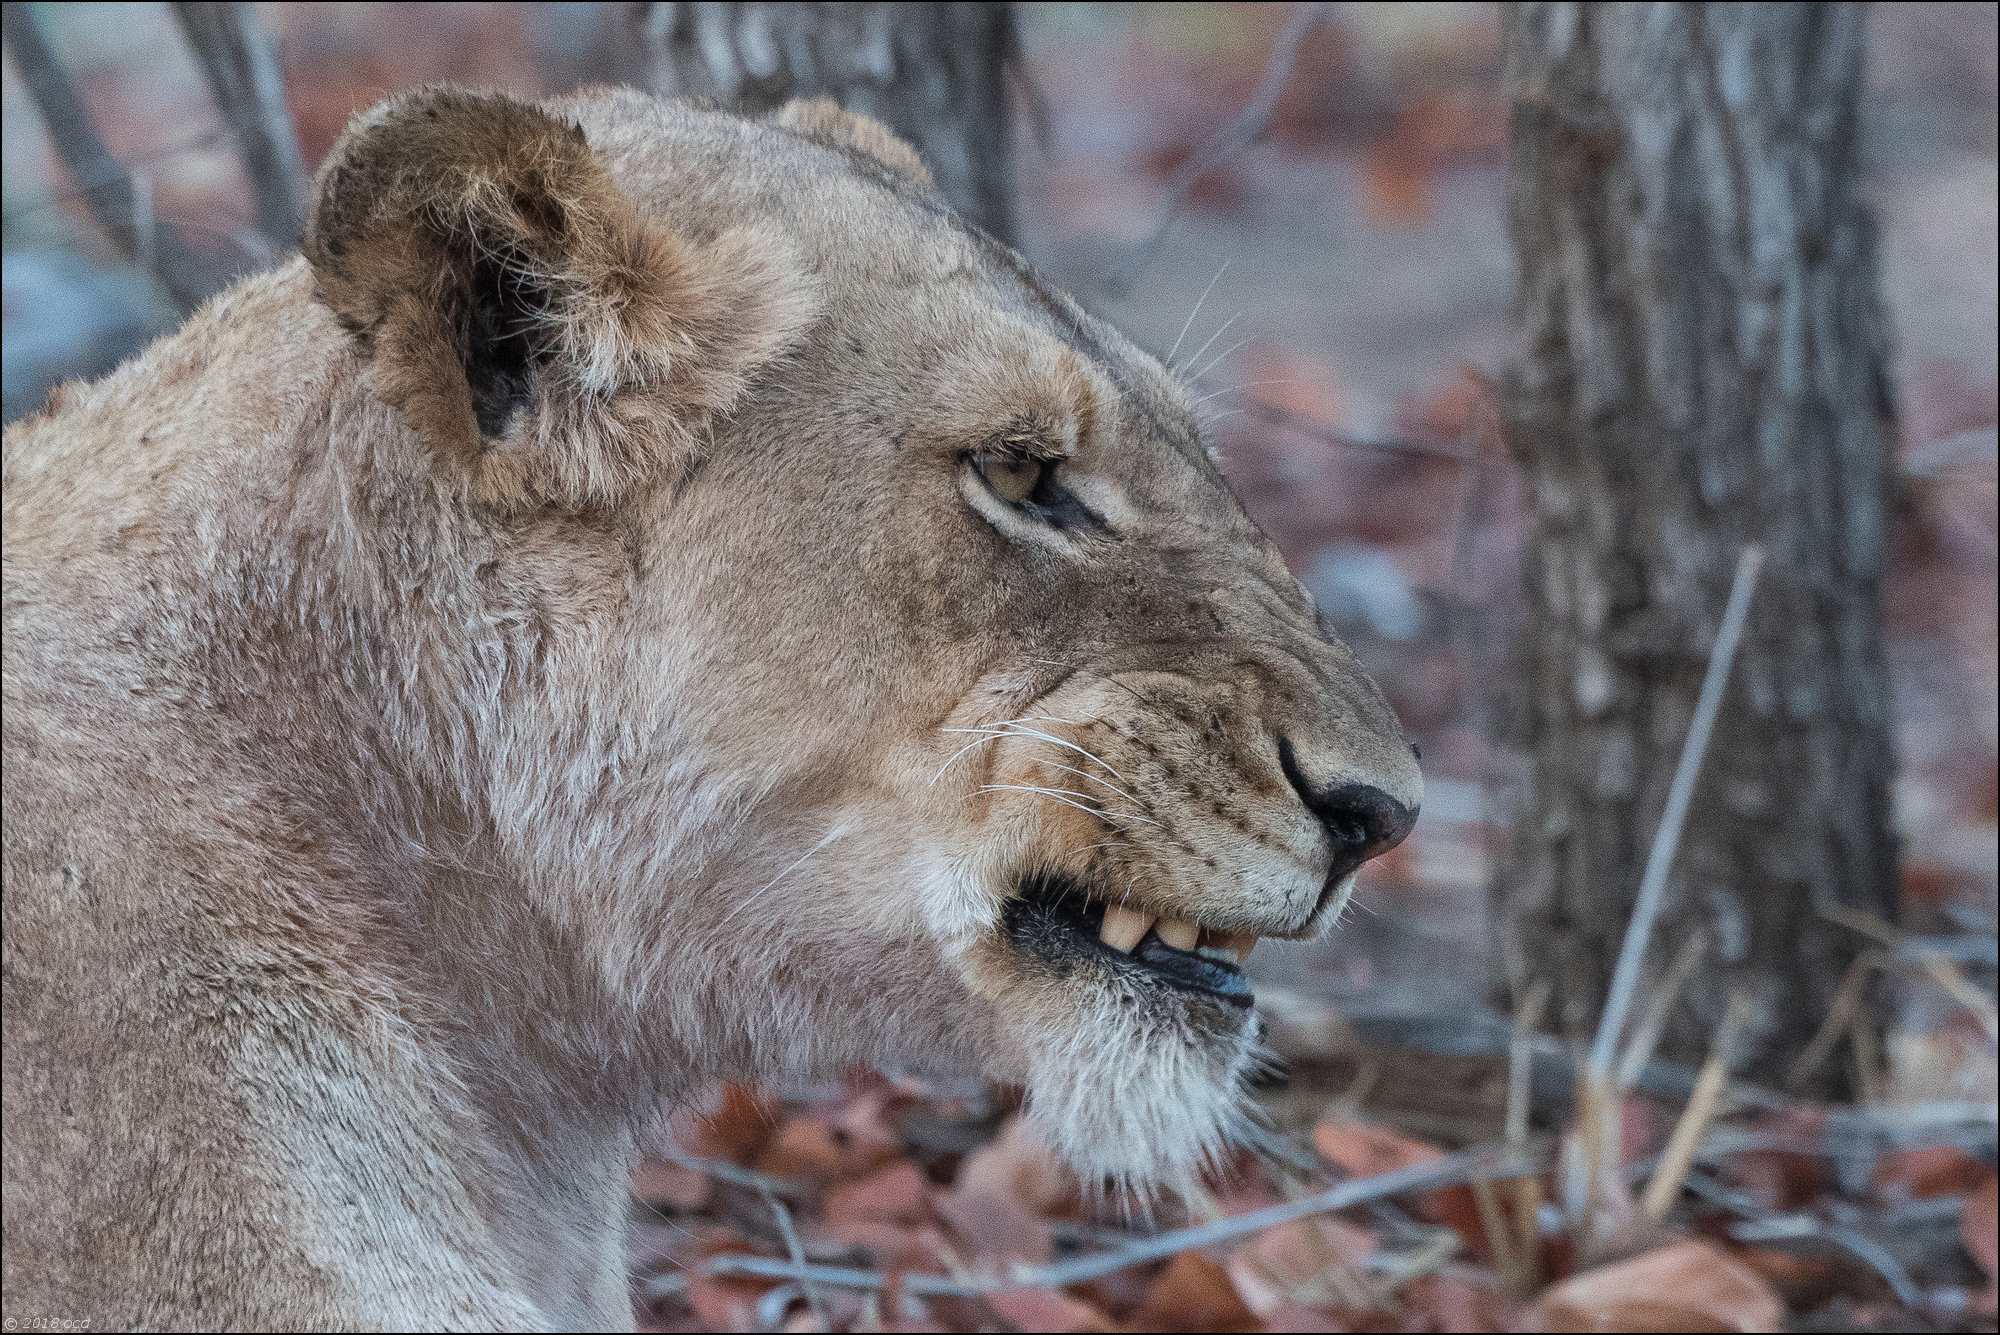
1666 839
1450 1170
1592 1189
1243 130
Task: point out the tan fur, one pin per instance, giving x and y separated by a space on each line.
826 120
402 809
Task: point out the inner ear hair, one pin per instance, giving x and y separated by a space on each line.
460 215
505 339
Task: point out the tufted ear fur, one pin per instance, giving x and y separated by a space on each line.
531 326
823 120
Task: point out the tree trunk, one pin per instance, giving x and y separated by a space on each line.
1701 365
933 73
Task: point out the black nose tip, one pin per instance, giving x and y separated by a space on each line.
1361 819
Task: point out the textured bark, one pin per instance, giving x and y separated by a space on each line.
1700 366
933 73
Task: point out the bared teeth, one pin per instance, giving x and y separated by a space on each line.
1123 928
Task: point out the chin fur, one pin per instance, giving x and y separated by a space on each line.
1144 1095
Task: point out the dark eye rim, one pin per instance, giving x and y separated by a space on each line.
1047 501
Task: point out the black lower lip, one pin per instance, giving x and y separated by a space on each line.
1054 919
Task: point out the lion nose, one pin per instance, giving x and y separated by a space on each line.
1362 821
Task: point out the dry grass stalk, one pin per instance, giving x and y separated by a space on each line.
1840 1019
1525 1275
1527 1193
1942 969
1680 795
1665 1186
1653 1020
1500 1239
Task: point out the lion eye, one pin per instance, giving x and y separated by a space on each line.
1014 480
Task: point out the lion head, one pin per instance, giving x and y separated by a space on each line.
848 640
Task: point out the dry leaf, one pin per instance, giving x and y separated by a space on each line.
733 1127
822 1148
1363 1149
666 1185
897 1194
1976 1227
1689 1286
1784 1179
1296 1319
1047 1310
1441 1302
726 1303
1192 1293
1019 1166
1930 1170
886 1246
1004 1195
1308 1262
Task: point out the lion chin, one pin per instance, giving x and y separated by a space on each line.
1136 1037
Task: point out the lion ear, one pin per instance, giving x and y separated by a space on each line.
823 120
526 320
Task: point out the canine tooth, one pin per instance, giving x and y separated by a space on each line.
1242 946
1123 928
1179 933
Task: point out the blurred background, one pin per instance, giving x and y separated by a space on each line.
1311 205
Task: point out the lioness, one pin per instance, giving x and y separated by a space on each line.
648 597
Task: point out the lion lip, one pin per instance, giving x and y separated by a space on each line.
1194 972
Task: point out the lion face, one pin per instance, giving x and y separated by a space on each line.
1069 736
951 712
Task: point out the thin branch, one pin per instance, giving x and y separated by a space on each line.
1934 959
1666 840
241 66
1841 1015
1308 427
1245 129
1450 1170
723 1171
796 1250
1766 1231
159 250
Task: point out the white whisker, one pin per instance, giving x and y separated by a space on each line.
969 746
831 835
1211 341
1189 322
1023 730
1062 795
1217 360
1238 389
1102 783
1122 815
